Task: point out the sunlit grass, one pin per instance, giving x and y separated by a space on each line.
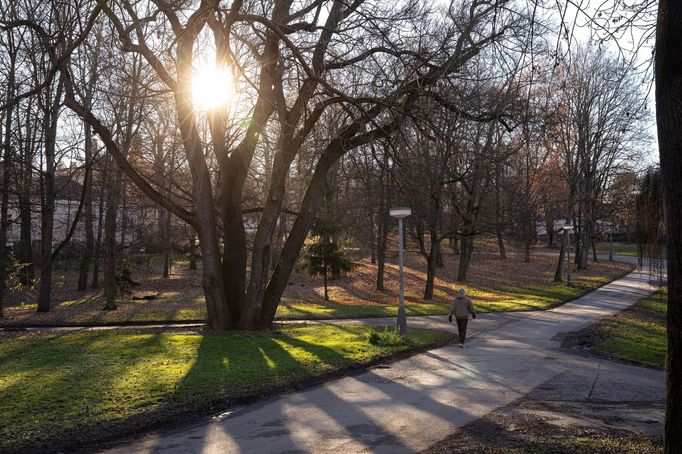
508 286
66 385
501 299
177 307
638 334
331 310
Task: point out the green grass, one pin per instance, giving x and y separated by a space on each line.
72 388
501 299
311 311
189 307
624 249
634 444
636 335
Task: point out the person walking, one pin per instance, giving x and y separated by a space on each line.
461 308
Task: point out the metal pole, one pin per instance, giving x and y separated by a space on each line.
402 321
569 278
610 245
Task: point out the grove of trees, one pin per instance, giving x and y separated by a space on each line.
475 113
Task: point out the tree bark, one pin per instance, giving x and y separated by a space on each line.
382 245
467 248
558 274
6 172
372 239
49 196
84 266
594 249
110 243
384 219
299 231
25 252
431 265
326 291
103 181
498 211
668 68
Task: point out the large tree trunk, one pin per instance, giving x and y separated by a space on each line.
110 243
559 272
499 219
103 181
594 249
166 242
278 240
668 69
384 219
4 217
46 229
570 207
466 251
260 265
84 266
4 196
49 196
25 250
299 231
219 315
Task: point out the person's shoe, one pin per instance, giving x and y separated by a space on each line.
461 345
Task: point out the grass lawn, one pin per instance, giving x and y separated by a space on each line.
494 285
626 249
59 390
500 299
636 335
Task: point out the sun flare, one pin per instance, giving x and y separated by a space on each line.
212 88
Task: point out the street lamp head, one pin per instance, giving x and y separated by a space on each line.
400 212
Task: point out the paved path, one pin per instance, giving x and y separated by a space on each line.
410 404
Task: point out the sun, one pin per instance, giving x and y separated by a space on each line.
212 88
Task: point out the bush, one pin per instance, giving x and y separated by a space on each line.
386 338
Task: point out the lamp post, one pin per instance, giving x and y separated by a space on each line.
568 228
400 213
610 245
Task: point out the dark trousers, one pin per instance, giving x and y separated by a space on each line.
462 328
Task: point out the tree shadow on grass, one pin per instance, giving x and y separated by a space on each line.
64 391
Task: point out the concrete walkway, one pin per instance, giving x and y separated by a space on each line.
410 404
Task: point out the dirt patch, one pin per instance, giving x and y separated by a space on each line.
554 427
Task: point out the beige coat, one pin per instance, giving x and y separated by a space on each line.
462 307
